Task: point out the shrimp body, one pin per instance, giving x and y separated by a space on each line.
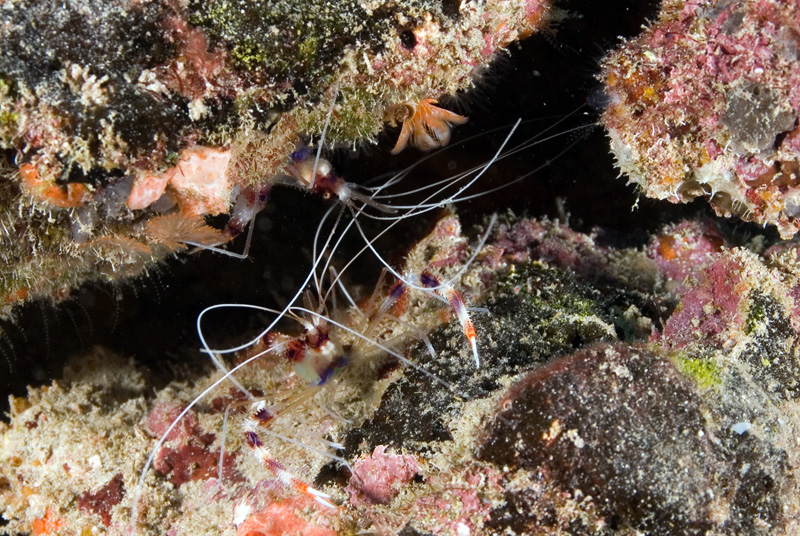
315 355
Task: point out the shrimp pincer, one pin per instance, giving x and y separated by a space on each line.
447 233
446 292
453 297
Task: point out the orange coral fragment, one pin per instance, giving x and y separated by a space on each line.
280 519
199 180
535 15
147 189
48 524
425 125
666 246
16 295
69 196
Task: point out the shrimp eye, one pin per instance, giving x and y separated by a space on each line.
408 39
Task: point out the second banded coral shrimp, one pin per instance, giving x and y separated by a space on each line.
296 394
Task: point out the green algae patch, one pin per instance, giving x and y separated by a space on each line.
549 288
357 116
703 370
768 348
757 316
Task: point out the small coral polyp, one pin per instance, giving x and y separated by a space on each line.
425 126
705 103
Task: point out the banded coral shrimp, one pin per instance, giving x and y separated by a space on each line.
280 313
326 344
439 193
445 192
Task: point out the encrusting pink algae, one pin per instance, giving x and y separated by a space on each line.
705 103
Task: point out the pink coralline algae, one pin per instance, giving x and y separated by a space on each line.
709 311
705 102
549 242
163 415
378 478
680 250
732 301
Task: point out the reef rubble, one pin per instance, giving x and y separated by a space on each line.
623 380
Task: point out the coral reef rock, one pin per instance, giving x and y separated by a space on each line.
622 390
705 103
124 123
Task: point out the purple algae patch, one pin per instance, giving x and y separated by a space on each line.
101 501
164 414
709 310
378 478
194 460
683 249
